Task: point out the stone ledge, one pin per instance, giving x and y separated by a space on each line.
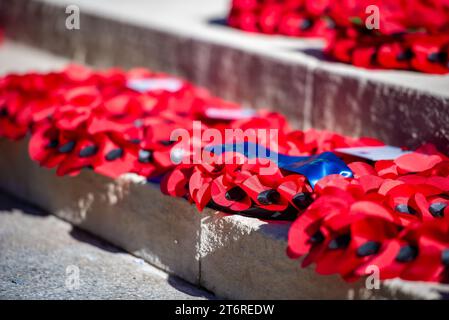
401 108
233 256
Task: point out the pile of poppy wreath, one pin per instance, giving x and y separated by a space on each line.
412 34
391 213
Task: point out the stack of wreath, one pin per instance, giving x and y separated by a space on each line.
390 213
389 34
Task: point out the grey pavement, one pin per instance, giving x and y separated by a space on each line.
41 256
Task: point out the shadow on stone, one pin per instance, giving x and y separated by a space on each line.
218 21
9 203
187 288
316 53
88 238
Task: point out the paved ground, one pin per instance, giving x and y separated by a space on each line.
41 255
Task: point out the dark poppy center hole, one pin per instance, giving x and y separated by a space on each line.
268 197
166 143
52 144
403 208
306 24
368 249
67 147
88 151
135 141
437 209
445 257
302 200
340 242
437 57
317 237
407 254
235 194
3 111
114 154
405 55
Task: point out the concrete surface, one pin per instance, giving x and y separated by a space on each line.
232 256
41 256
19 58
290 75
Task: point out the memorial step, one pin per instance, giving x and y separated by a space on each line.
290 75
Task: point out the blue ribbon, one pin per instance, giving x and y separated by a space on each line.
313 168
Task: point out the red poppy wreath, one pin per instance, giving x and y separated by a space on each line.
410 35
348 212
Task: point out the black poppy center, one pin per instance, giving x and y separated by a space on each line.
268 197
302 200
67 147
368 249
3 112
88 151
405 55
305 24
52 144
235 194
340 242
135 141
166 142
317 237
437 209
407 254
445 257
437 57
403 208
114 154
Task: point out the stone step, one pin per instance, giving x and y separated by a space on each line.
44 257
290 75
232 256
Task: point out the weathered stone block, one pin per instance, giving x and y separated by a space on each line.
233 256
135 217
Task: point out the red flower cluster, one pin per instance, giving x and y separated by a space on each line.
232 183
411 35
85 119
391 215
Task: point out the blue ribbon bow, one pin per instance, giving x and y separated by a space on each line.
313 168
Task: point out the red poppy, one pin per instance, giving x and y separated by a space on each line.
83 155
49 146
114 157
429 54
296 190
365 57
409 34
432 259
417 162
176 182
394 56
269 18
229 195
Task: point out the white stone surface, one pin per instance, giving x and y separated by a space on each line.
20 58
